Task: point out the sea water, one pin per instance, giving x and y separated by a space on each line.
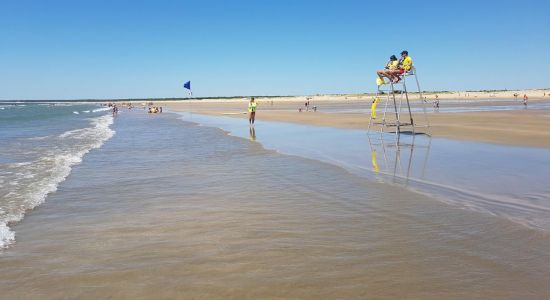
39 145
166 208
508 181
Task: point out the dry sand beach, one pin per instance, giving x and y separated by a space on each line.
513 126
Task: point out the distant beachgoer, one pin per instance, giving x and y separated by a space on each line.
314 108
251 111
160 109
525 99
115 110
299 109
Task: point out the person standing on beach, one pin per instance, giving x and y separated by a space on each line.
525 98
251 111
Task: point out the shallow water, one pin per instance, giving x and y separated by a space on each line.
167 209
507 181
38 146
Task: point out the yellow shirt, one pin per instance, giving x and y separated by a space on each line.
407 63
392 65
252 107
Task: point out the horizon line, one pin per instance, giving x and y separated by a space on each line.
258 96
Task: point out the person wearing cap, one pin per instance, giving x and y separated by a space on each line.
405 65
406 62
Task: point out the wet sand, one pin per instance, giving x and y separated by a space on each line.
522 127
168 209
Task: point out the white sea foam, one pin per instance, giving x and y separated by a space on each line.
34 181
6 235
75 112
38 138
101 109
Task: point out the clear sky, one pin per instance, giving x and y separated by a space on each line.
130 49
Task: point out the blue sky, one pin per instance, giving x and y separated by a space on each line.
126 49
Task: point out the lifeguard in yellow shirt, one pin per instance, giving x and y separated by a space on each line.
405 65
392 64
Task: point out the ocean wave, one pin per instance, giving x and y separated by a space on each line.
38 138
6 235
41 177
101 109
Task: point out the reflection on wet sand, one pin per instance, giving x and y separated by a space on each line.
397 152
496 180
233 221
252 132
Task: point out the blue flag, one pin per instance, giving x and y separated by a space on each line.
187 85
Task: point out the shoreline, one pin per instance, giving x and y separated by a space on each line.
224 215
514 127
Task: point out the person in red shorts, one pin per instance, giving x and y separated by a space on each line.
405 65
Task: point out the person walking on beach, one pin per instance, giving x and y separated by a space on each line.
251 111
525 98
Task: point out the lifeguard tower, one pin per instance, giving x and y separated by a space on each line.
396 107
